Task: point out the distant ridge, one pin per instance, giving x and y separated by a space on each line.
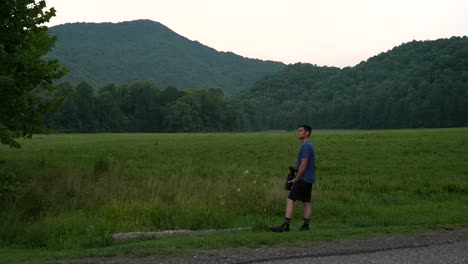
144 50
416 84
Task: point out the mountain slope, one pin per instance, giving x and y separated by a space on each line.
417 84
144 50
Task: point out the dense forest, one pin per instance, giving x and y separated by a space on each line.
417 84
144 50
142 107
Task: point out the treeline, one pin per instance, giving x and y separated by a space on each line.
142 107
418 84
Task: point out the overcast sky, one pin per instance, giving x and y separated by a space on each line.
323 32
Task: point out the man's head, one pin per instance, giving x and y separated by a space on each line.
303 131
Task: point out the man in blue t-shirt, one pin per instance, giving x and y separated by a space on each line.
302 183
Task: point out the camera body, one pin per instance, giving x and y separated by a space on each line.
291 176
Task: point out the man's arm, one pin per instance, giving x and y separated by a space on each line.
301 170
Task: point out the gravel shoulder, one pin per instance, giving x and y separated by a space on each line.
312 250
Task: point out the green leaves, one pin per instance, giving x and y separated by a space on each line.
24 75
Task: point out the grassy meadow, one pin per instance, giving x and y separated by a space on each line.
64 195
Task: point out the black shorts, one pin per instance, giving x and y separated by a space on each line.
301 191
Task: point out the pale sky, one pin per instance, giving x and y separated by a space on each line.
323 32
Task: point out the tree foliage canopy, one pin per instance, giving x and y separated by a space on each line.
24 74
143 107
417 84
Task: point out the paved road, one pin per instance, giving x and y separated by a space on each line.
443 254
438 247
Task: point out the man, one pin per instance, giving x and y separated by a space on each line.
302 183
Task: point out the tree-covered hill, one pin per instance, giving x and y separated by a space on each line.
144 50
417 84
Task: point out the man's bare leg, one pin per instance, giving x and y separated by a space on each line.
307 210
288 215
289 208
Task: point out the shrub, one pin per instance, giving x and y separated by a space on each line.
30 202
9 186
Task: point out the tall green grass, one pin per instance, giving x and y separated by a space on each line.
73 191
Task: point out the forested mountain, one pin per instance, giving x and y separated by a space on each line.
144 50
417 84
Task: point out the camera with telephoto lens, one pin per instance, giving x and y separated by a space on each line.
291 176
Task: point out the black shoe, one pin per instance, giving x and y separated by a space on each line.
281 229
304 228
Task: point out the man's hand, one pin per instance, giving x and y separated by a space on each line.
300 171
293 181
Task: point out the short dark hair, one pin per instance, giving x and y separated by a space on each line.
307 128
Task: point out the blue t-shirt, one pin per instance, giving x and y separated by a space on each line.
307 151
